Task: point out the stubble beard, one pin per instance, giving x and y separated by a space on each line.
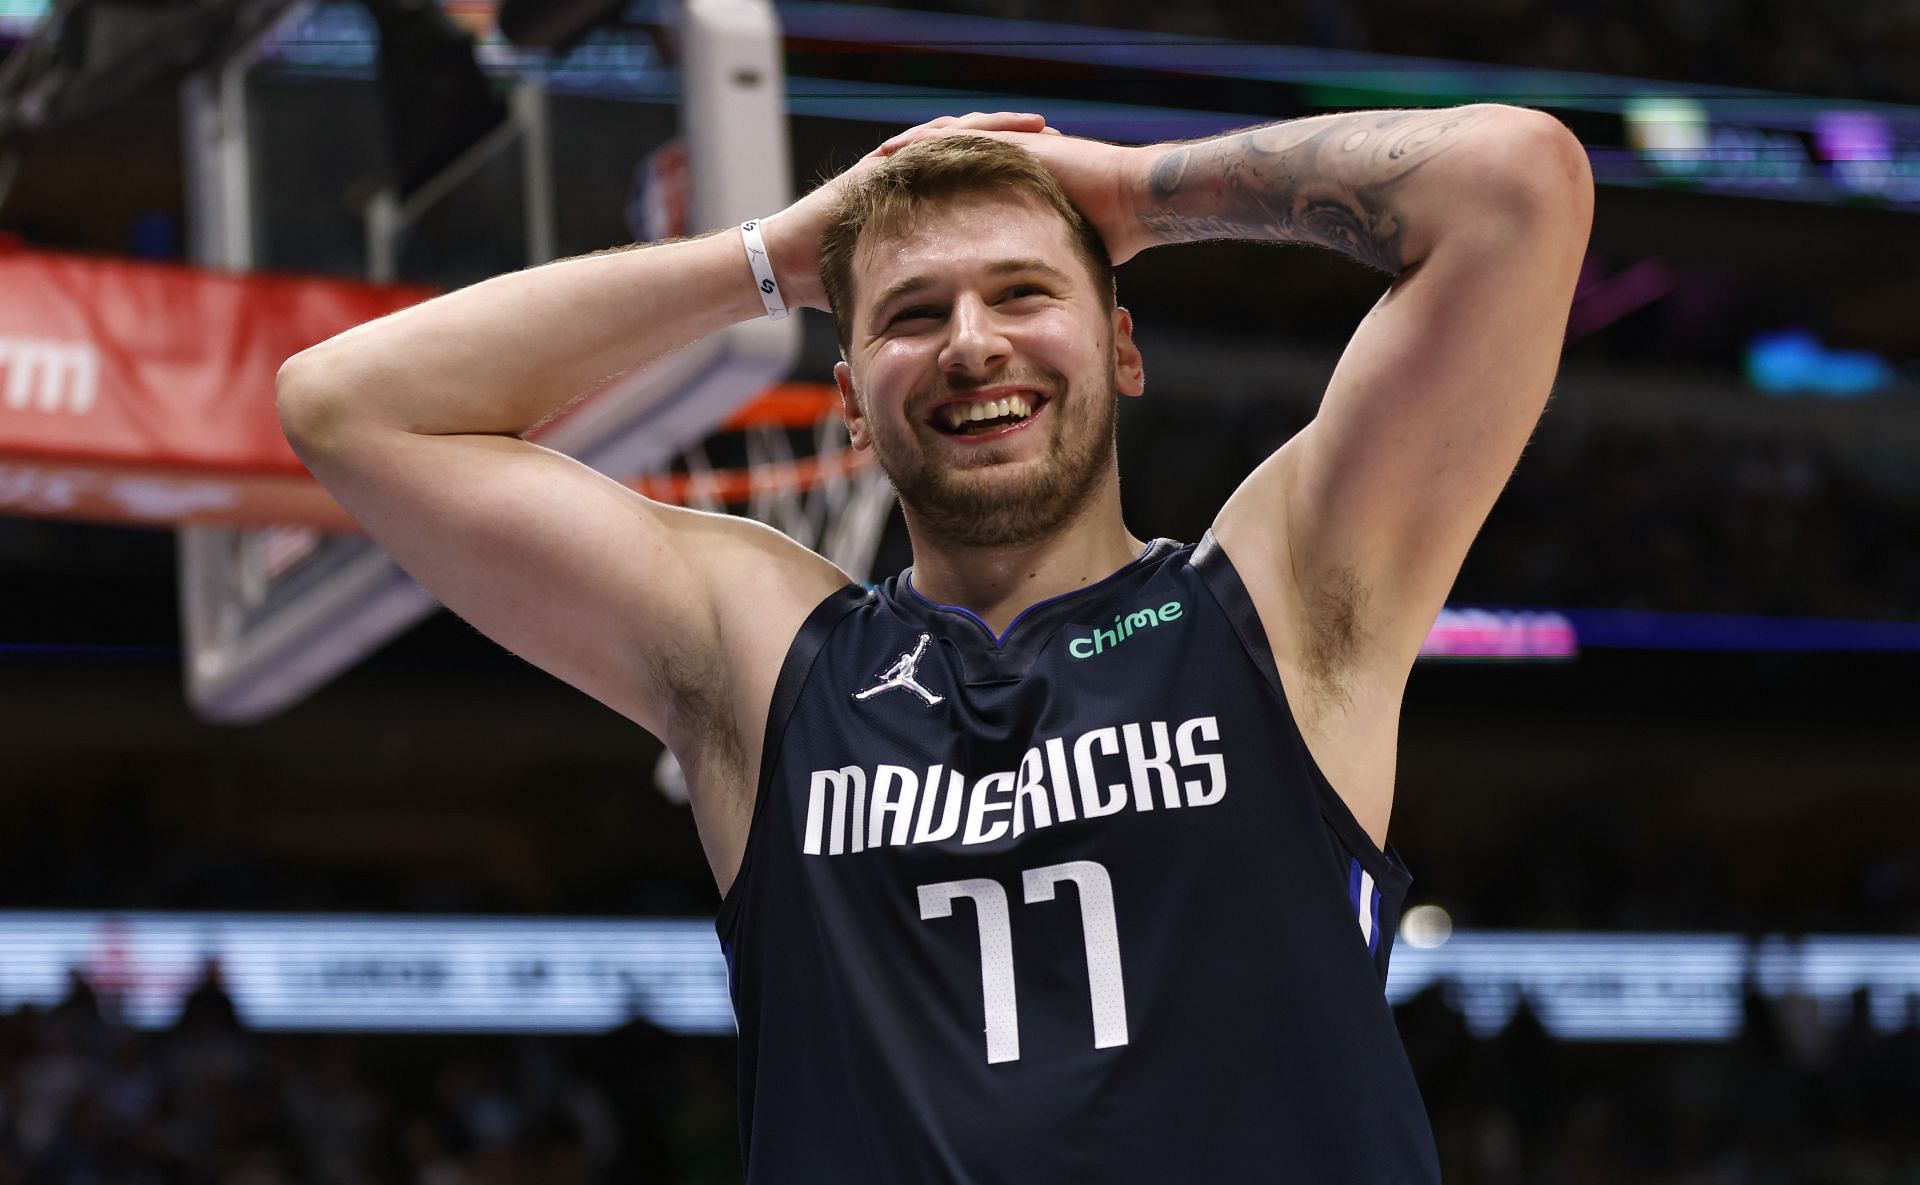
978 507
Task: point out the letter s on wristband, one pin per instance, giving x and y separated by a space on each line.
762 269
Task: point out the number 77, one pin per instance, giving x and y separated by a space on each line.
1105 984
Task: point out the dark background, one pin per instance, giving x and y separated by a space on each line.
1645 790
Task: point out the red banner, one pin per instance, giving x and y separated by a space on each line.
143 392
106 360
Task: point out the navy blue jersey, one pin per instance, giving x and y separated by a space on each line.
1073 904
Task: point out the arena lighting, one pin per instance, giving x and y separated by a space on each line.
1426 927
433 974
1644 629
1460 633
1795 362
1671 133
18 17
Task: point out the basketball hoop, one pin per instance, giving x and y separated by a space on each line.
784 460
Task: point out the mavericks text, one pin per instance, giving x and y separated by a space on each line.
1101 772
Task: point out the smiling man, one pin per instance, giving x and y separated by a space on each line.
1000 449
1060 856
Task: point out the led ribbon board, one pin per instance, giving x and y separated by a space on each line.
430 974
374 973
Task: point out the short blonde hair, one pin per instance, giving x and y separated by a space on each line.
883 202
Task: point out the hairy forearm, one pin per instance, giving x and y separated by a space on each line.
1378 186
500 356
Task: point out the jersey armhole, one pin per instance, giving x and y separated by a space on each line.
1230 593
794 671
1376 907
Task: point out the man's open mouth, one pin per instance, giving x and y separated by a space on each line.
979 415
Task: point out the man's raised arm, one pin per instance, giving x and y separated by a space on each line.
1481 213
1351 535
1378 186
502 355
413 423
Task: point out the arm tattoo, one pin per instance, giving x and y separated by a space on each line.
1334 180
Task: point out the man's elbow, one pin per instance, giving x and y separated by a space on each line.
1549 178
310 411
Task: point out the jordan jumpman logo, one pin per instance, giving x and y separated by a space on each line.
900 674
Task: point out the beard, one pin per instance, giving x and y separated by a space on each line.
982 505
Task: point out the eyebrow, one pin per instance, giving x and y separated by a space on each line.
998 267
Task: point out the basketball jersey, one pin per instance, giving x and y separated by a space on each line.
1065 905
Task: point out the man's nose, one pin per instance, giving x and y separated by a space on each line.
975 343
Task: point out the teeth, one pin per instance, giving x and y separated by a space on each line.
990 409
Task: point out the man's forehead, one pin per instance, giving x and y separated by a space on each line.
988 230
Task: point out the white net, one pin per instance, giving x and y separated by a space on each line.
829 500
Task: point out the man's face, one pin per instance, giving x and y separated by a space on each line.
982 370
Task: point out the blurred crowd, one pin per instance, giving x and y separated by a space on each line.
1686 520
1791 1101
86 1101
1677 518
1862 49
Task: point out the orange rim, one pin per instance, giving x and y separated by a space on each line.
782 405
786 405
736 487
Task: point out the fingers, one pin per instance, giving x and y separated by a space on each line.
978 121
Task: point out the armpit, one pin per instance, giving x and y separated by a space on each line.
1332 638
701 728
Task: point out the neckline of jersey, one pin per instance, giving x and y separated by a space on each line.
999 640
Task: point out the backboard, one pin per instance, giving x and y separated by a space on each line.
267 616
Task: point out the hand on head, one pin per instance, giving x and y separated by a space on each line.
1099 178
998 121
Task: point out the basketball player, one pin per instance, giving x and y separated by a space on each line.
1061 856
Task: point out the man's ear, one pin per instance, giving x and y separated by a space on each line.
850 406
1129 371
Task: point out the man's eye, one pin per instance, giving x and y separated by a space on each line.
1020 290
916 313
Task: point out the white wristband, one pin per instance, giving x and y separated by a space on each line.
762 269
